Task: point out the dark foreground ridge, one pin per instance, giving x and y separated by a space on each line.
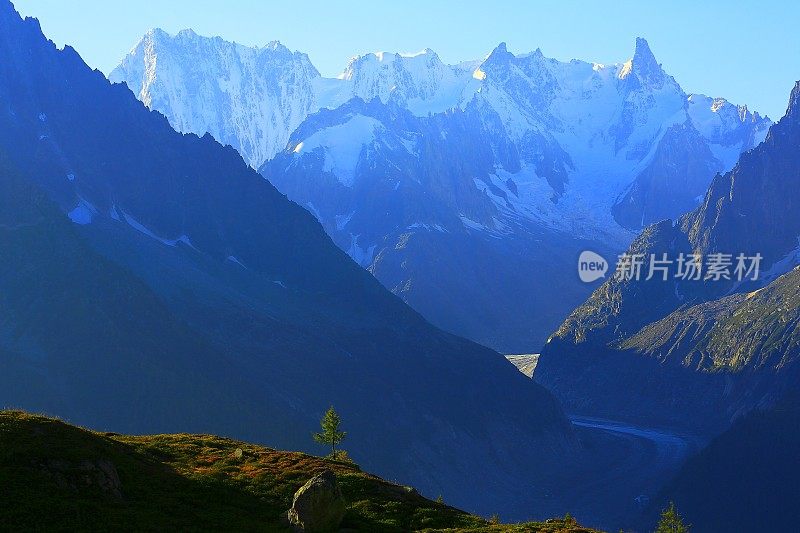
58 476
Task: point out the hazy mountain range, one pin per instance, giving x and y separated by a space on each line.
468 190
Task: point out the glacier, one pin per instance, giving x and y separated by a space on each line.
518 161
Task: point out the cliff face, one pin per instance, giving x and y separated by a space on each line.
697 352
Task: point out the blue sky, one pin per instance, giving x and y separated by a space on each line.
747 53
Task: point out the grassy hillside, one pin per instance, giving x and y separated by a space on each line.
57 476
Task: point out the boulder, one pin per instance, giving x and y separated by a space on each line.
318 506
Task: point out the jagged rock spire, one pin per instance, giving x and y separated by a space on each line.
499 54
642 54
496 61
644 63
793 110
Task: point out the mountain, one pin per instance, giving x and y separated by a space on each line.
169 285
429 234
462 188
192 482
733 485
699 352
420 82
82 336
250 98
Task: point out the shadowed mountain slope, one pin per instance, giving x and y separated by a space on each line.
205 294
697 352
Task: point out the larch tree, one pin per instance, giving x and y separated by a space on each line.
330 433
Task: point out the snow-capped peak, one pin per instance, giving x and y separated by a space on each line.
729 126
187 33
501 50
384 60
419 81
249 97
498 58
643 65
254 98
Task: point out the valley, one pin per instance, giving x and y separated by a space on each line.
625 467
468 190
216 251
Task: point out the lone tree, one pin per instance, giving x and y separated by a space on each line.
671 521
330 430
